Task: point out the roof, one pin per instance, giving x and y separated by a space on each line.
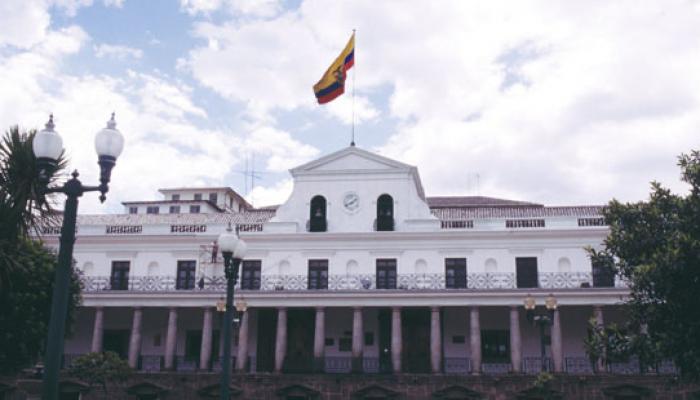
476 212
475 201
248 217
167 202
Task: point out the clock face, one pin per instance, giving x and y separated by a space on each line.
351 202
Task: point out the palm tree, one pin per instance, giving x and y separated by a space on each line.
23 205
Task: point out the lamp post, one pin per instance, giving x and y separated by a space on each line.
233 249
47 147
542 319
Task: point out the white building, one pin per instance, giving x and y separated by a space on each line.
358 269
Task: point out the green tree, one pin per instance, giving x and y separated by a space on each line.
26 267
655 246
25 311
100 369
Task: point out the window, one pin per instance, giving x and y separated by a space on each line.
194 209
185 274
386 273
317 214
458 339
213 197
495 346
133 210
385 213
526 272
318 274
175 197
455 273
198 196
119 280
603 276
152 210
174 209
250 275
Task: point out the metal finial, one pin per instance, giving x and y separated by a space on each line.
50 125
112 124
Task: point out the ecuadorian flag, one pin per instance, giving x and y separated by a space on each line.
332 84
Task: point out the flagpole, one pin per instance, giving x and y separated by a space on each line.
352 141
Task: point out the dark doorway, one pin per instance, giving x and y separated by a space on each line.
384 342
193 345
116 340
267 331
300 340
415 329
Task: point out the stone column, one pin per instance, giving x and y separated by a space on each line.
557 357
475 339
396 340
320 339
207 331
599 320
98 330
435 340
281 341
357 339
135 339
242 354
516 350
171 339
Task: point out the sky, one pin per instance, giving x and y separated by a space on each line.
557 102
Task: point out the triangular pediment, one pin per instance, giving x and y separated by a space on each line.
351 159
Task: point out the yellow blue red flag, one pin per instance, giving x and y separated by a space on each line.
332 84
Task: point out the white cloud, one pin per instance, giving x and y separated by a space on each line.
550 102
342 109
563 103
254 8
281 150
266 196
24 23
117 51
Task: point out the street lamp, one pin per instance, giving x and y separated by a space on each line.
541 319
233 249
48 147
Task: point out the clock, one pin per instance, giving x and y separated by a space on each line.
351 202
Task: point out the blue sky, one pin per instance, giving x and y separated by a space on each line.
553 102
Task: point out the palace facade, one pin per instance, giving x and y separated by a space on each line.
358 271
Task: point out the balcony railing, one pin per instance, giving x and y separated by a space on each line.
579 365
436 281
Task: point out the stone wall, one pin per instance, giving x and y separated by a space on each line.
400 387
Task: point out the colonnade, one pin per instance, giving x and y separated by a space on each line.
357 338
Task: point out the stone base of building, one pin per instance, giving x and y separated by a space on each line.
404 386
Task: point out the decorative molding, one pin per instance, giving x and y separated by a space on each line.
121 254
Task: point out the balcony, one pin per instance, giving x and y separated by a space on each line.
359 282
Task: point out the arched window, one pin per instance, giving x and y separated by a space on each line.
385 213
317 217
